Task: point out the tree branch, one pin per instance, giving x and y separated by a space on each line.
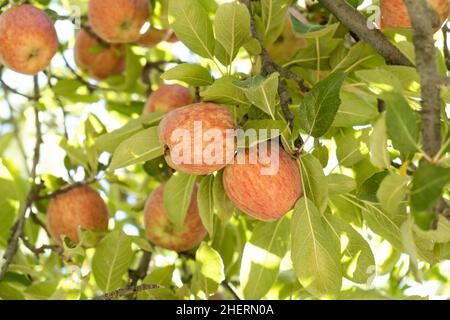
357 23
426 61
124 292
17 229
141 272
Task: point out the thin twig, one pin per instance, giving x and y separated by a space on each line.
34 190
227 285
445 31
124 292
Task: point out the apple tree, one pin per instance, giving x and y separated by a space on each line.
346 98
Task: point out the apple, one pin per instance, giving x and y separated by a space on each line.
167 98
152 37
118 21
161 231
286 45
99 62
198 138
28 39
263 196
394 14
82 207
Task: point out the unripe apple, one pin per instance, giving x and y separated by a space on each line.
198 138
28 39
263 196
99 62
152 37
163 233
118 21
79 207
394 14
287 44
168 97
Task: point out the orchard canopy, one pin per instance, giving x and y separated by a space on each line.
224 149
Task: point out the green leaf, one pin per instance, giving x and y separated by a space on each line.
358 260
76 154
139 148
348 149
209 272
380 80
263 130
262 257
264 94
357 108
232 27
440 235
177 197
340 184
400 122
315 252
224 91
392 193
205 202
161 276
319 108
224 208
192 26
428 182
193 74
273 18
110 141
111 260
379 154
315 184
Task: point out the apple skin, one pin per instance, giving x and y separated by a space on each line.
28 39
118 21
161 232
79 207
102 64
211 117
394 14
168 97
264 197
152 37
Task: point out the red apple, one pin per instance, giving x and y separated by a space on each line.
167 98
79 207
161 231
118 21
28 39
99 62
198 139
263 196
394 14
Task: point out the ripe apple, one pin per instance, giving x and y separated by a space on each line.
118 21
28 39
161 231
198 138
394 14
99 62
79 207
264 197
168 97
152 37
287 44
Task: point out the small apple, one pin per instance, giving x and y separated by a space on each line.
118 21
28 39
394 14
198 138
152 37
79 207
99 62
161 231
264 197
168 97
286 45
